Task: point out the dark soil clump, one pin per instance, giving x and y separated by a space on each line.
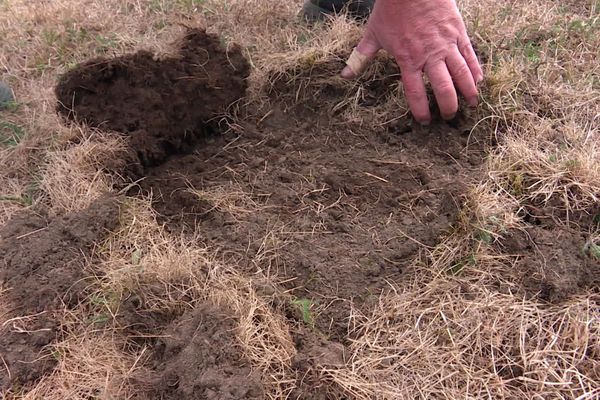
314 350
164 105
197 358
42 263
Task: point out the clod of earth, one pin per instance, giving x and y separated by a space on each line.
164 105
552 259
197 358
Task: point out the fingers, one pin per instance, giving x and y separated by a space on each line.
361 55
466 49
462 76
443 88
416 96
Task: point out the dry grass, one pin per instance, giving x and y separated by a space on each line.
230 199
448 333
4 309
173 274
72 179
543 171
90 365
442 340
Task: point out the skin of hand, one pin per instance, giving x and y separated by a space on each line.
424 36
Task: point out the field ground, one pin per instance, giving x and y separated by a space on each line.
162 239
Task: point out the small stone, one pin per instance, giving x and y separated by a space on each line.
6 95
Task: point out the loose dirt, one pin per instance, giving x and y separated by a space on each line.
551 258
197 358
339 213
42 266
164 105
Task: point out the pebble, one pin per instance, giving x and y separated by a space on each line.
6 95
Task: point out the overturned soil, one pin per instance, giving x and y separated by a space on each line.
196 357
42 268
337 213
552 259
164 105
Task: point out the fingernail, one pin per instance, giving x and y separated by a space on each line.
448 117
473 101
425 122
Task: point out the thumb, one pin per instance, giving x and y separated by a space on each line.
361 55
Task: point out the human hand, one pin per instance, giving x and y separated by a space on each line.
424 36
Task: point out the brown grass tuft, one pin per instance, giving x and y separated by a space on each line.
73 178
230 199
444 340
90 365
562 171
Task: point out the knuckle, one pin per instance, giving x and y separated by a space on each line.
465 48
445 90
412 92
406 62
462 72
468 52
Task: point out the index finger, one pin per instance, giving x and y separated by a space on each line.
361 55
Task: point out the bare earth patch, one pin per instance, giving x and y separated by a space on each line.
42 267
